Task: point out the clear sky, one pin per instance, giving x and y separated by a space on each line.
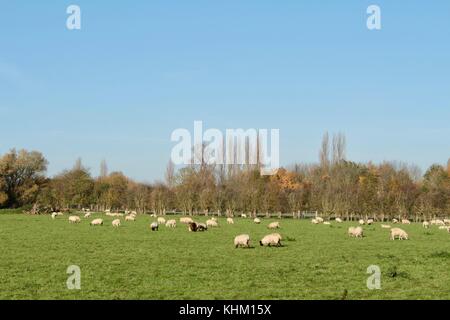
137 70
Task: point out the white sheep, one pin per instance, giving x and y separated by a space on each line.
356 232
130 218
54 215
440 222
257 221
171 223
116 223
97 222
426 224
398 233
314 221
87 215
361 222
338 220
230 221
154 226
270 240
274 225
319 219
211 223
242 240
406 221
447 221
161 220
186 220
74 219
243 215
394 221
369 222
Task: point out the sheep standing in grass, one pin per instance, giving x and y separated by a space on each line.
154 226
212 223
319 220
355 232
202 227
426 224
270 240
361 222
406 221
243 216
257 220
97 222
74 219
242 241
447 221
274 225
161 220
192 227
394 221
171 223
338 220
54 215
314 221
230 221
398 233
186 220
440 222
130 218
369 222
116 223
87 215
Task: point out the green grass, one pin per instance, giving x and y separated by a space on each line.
131 262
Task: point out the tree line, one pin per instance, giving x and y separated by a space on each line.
335 187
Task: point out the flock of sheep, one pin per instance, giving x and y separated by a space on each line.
396 233
243 240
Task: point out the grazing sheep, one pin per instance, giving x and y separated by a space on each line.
426 224
154 226
97 222
270 240
186 220
161 220
355 232
230 221
242 240
214 219
447 221
398 233
444 227
394 221
385 226
274 225
192 227
59 214
116 223
257 221
211 223
202 227
87 215
54 215
361 222
74 219
319 219
338 220
440 223
171 223
327 223
406 221
243 215
369 222
314 221
130 218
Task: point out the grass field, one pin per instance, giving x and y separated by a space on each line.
131 262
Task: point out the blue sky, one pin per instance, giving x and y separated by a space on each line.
137 70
